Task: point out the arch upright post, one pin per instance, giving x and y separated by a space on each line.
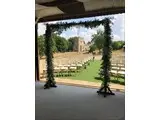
49 59
106 63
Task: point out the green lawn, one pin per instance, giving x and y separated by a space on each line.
91 73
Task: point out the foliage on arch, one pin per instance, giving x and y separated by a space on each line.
107 46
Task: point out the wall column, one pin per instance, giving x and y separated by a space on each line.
37 78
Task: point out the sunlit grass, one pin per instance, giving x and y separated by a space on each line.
91 74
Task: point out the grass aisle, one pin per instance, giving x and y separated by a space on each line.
91 72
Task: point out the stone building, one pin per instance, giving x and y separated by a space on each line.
79 45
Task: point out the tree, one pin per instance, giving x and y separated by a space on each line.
116 45
61 43
41 45
98 39
92 48
71 43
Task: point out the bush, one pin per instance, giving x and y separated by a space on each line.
116 45
92 48
41 47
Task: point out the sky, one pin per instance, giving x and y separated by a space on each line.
117 28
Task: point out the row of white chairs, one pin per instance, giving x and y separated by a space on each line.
68 68
118 69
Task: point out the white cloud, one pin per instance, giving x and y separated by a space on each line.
86 37
116 38
81 32
74 30
91 31
116 16
101 27
114 19
122 28
41 29
63 35
87 34
67 36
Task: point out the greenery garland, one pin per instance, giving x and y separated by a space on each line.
106 63
61 26
49 55
107 50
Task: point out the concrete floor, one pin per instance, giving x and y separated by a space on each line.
76 103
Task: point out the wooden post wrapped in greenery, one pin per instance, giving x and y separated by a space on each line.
106 63
49 55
